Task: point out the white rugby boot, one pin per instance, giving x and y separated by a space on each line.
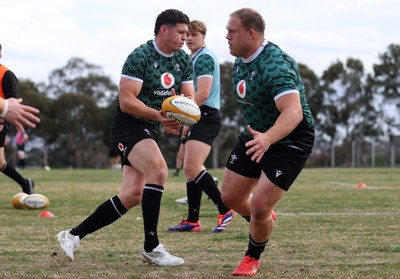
160 256
68 243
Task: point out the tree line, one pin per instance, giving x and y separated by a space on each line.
354 111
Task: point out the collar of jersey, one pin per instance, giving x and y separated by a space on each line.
255 54
197 52
159 50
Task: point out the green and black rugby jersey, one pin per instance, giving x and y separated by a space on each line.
260 80
158 72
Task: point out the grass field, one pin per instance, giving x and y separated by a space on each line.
326 228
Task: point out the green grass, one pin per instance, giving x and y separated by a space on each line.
326 228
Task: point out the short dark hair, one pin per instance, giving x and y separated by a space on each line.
250 19
170 17
0 47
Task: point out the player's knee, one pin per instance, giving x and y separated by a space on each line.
260 213
191 171
229 200
157 176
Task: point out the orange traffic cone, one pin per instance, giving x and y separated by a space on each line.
273 215
361 185
45 214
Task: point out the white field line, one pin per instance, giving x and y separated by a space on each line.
338 183
337 213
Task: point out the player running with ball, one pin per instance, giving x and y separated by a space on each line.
150 74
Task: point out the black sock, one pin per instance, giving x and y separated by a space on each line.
12 173
21 164
207 184
105 214
151 201
255 249
194 193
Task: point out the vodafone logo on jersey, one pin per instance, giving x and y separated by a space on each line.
241 89
167 80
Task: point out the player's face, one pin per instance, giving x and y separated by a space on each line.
176 36
237 37
195 41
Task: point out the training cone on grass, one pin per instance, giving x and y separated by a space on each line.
46 214
361 185
273 215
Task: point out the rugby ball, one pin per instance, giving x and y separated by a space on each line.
18 200
36 201
182 109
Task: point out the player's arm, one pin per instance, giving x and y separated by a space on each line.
10 86
129 103
291 114
187 89
204 84
204 75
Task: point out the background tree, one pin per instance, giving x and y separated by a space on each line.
76 114
45 133
81 77
315 101
385 82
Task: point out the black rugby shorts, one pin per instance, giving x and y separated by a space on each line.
208 127
280 163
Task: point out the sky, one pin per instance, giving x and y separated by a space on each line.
39 36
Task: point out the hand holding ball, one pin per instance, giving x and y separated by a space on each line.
183 109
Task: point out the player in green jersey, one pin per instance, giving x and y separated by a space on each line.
151 73
278 135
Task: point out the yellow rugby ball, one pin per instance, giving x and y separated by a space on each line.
36 201
18 200
182 109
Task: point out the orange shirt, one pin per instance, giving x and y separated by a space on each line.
3 70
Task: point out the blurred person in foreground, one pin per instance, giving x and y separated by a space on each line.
11 109
19 115
278 136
